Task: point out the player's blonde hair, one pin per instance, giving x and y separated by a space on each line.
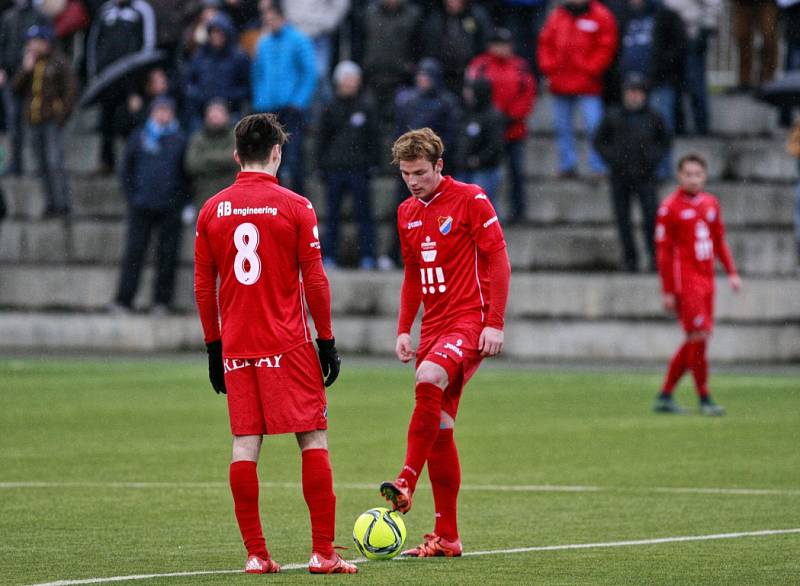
415 144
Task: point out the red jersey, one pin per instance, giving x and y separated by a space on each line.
690 234
255 235
445 243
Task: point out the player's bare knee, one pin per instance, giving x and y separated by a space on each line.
431 373
246 447
446 421
698 336
312 440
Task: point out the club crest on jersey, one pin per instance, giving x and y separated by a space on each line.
445 224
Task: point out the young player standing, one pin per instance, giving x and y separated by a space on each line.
689 235
259 238
457 265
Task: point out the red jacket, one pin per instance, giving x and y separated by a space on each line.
575 51
513 89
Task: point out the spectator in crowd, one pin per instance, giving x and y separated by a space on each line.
218 69
576 47
790 17
513 94
793 147
283 78
133 113
209 158
16 21
196 33
480 142
390 49
319 20
428 103
48 86
750 16
633 140
653 45
453 36
700 22
121 28
153 180
348 150
524 18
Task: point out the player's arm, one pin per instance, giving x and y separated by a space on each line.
205 294
665 257
410 299
317 291
488 236
723 251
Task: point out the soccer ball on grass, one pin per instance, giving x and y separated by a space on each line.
379 533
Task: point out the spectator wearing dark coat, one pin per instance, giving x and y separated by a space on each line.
576 48
134 112
120 29
633 139
16 22
47 84
153 180
218 69
790 18
513 94
391 30
480 143
453 36
653 45
349 149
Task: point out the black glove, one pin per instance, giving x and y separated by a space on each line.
216 370
329 360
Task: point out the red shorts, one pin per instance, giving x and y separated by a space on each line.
456 352
696 311
276 394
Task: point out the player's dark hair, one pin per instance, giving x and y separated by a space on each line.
692 158
422 143
256 135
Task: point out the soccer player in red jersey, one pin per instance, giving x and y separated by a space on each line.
689 235
262 241
456 265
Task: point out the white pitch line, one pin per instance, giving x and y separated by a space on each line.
466 487
606 544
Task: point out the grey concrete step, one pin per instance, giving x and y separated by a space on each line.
757 251
550 201
525 339
576 296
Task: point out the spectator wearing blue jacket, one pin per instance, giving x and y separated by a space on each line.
284 75
217 70
154 183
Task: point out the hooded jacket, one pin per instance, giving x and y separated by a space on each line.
218 73
575 50
119 29
481 142
49 90
390 43
284 71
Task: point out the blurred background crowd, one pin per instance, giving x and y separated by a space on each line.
169 78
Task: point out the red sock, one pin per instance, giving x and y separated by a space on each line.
244 487
699 366
320 498
677 366
444 471
422 431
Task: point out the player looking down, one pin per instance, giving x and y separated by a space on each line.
456 265
262 241
689 235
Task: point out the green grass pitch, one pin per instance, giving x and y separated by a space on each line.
87 430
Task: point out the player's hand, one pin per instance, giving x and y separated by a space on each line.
216 369
669 302
491 341
735 282
403 348
329 360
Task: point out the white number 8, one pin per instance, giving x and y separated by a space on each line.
246 241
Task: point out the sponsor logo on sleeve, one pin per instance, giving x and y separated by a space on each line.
490 221
315 244
481 196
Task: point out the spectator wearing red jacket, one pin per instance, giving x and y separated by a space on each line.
513 94
576 47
